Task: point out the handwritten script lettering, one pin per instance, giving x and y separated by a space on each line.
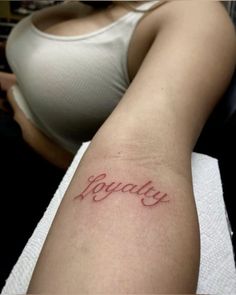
100 189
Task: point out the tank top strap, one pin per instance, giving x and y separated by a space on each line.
131 20
128 27
140 11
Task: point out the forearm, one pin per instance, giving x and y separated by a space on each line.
124 226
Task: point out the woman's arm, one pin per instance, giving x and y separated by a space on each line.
34 137
128 222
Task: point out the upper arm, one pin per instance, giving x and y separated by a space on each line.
184 74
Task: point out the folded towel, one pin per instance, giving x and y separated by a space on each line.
217 268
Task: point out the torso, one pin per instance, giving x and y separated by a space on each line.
79 19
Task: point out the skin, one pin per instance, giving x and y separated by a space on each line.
118 245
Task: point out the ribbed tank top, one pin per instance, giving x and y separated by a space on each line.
68 84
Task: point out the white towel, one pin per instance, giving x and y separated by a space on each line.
217 269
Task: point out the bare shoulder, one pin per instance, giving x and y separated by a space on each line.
192 11
201 29
176 17
201 23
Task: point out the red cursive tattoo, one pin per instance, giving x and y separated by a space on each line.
100 190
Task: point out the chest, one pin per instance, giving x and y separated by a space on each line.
71 20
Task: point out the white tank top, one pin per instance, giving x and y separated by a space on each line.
68 84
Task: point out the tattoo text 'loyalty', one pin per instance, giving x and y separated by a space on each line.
100 188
